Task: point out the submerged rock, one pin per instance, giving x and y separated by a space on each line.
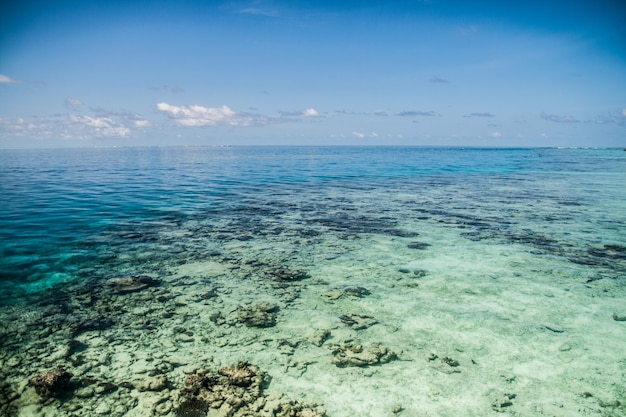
52 383
420 273
242 375
289 275
331 295
132 284
295 409
237 391
501 403
258 315
356 355
93 323
357 321
445 365
359 292
151 383
619 317
192 408
418 245
319 337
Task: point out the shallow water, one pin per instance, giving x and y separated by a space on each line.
496 276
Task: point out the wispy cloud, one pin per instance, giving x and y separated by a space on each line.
496 134
76 124
559 118
619 119
98 126
259 11
254 8
72 103
362 135
168 89
437 80
484 114
4 79
294 115
70 126
468 30
413 113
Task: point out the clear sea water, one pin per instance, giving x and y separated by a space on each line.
470 232
57 205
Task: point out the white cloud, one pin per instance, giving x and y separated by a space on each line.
310 113
496 134
99 126
7 80
195 115
624 112
142 123
70 127
99 123
359 135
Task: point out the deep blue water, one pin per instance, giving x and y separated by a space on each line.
55 203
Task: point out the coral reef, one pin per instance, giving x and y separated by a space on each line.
192 408
52 383
258 315
236 391
350 354
241 375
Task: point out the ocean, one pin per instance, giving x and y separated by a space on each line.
340 281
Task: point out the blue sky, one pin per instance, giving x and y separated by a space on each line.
430 72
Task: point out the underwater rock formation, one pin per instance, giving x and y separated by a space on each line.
258 315
359 292
318 337
289 275
418 245
236 391
445 365
52 383
131 284
242 375
501 403
357 321
192 408
351 354
619 317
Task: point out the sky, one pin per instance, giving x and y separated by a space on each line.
272 72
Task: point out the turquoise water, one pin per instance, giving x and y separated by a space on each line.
55 203
482 255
